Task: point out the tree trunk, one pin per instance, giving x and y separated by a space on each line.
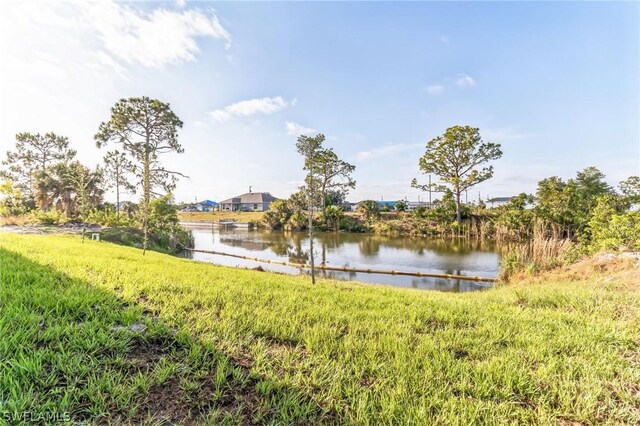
313 272
458 208
117 200
324 204
145 202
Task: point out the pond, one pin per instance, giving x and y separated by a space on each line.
364 251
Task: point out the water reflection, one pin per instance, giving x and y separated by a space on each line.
447 256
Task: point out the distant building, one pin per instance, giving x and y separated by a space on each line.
206 206
498 201
349 207
412 205
251 201
390 204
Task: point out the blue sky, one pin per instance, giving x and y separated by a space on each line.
557 84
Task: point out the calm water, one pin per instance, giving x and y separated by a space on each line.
356 251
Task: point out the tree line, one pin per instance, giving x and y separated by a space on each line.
41 172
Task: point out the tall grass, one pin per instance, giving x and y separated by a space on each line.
536 255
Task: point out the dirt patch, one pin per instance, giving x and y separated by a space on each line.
165 405
174 403
146 354
459 353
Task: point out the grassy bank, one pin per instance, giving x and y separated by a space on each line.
216 216
227 345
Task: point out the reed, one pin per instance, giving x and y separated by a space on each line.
536 255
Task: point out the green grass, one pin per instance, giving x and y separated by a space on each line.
239 346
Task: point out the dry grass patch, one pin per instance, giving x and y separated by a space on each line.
216 216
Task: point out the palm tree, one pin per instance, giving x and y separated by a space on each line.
370 209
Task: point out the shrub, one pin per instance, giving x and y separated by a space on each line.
370 210
614 231
333 216
40 217
296 222
515 221
108 217
14 203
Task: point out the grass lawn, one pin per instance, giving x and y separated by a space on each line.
216 216
102 333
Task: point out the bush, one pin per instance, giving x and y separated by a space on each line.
296 222
53 217
352 224
278 215
515 221
620 231
332 218
392 227
165 227
14 203
370 210
108 217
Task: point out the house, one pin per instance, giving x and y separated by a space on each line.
251 201
349 207
206 206
498 201
391 205
412 205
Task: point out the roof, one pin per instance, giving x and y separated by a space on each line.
500 199
207 203
380 202
250 198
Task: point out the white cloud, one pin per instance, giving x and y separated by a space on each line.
466 81
386 150
150 38
249 107
295 129
103 36
435 89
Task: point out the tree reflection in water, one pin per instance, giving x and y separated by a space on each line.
444 256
